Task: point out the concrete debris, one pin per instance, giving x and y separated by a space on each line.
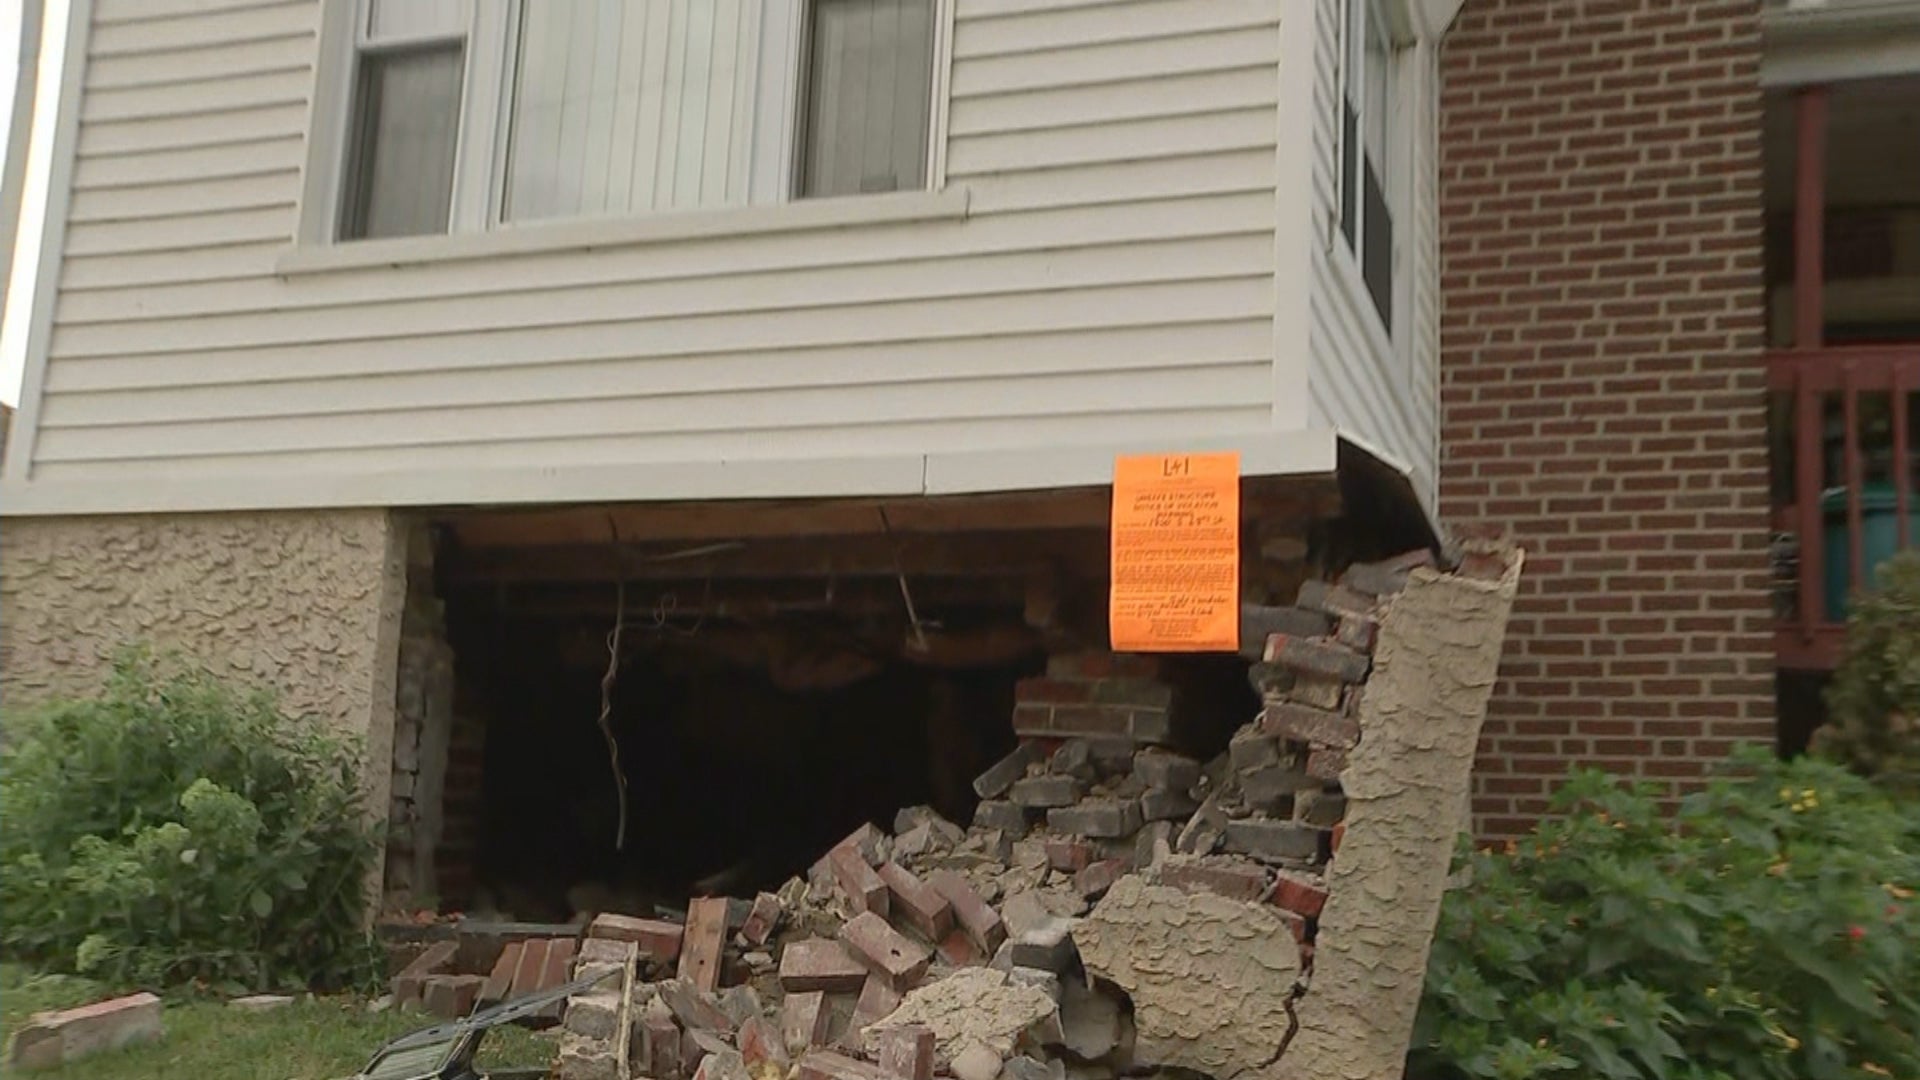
1210 978
975 1006
976 1062
261 1002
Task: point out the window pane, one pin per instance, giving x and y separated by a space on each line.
622 106
407 116
396 20
869 96
1376 255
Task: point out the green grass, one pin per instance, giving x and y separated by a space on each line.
307 1040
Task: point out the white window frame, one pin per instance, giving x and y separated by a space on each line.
481 144
1397 29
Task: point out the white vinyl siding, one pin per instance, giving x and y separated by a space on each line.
1382 391
1112 279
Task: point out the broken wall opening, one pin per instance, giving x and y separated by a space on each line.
786 672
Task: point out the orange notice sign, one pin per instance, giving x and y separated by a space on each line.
1176 553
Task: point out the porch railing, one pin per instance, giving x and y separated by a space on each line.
1851 452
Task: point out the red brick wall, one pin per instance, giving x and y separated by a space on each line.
1602 382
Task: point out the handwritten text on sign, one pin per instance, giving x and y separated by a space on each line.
1176 553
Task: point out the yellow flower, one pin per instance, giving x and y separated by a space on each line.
1808 793
1786 794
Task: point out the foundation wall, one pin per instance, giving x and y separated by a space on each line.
306 604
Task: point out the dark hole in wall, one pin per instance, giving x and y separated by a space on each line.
734 782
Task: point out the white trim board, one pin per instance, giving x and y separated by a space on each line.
53 240
1306 452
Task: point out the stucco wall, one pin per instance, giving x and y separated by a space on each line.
305 603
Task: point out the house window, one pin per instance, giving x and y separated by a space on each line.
406 112
1366 216
465 114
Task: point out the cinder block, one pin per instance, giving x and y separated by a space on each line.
1098 818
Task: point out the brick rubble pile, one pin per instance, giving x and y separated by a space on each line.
1011 948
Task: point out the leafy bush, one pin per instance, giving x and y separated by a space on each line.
1875 697
1768 930
173 830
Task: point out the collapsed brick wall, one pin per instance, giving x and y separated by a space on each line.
1118 905
1603 382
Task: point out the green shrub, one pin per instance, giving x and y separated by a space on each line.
1769 929
172 830
1874 701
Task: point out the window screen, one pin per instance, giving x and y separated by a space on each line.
406 121
868 96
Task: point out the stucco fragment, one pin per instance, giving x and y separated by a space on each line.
972 1005
1209 976
1406 785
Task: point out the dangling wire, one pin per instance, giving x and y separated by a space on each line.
606 693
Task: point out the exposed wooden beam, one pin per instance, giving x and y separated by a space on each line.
1065 509
1012 555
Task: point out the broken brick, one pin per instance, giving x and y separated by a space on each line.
696 1009
877 999
554 972
1047 946
1316 657
1068 855
52 1039
1258 622
916 902
1249 750
704 940
1160 805
499 982
1162 769
760 1042
1326 764
1300 894
970 909
1102 819
959 950
437 959
656 938
803 1021
450 997
884 950
762 918
906 1053
660 1044
828 1065
856 877
533 961
1334 600
1005 816
1304 723
1357 632
1273 840
996 780
820 964
1045 792
1232 879
1094 881
1318 691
